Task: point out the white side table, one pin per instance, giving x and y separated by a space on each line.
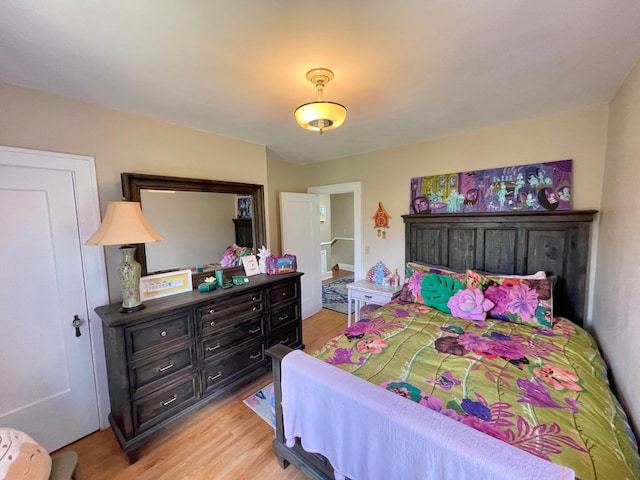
364 291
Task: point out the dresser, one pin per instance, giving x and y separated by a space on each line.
183 351
244 232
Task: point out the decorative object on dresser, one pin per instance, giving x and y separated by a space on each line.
183 351
124 224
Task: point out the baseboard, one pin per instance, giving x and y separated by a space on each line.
346 266
327 275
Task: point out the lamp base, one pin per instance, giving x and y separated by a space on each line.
129 273
132 309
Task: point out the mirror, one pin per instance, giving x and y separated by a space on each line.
198 220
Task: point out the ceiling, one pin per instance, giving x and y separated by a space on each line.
407 71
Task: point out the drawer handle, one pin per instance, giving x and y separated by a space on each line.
286 340
211 379
255 308
368 297
283 317
255 330
254 299
255 355
215 347
165 368
284 294
213 324
212 311
171 400
163 333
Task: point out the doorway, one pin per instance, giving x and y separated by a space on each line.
353 236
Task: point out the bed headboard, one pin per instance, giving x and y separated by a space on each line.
510 244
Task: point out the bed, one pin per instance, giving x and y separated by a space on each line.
495 397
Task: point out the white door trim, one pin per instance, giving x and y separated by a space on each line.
356 189
93 261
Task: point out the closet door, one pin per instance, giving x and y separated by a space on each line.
47 370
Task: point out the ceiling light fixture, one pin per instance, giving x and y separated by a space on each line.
320 115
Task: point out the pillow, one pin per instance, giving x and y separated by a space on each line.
415 273
470 304
431 290
232 255
519 300
427 268
540 275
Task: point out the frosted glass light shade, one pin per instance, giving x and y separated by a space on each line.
320 116
123 224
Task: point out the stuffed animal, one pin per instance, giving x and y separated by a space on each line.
21 458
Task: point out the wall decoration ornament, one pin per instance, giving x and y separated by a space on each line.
536 186
381 221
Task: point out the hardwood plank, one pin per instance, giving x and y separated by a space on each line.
223 440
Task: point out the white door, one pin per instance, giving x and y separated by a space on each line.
47 381
299 217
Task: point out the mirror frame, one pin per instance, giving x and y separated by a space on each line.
133 183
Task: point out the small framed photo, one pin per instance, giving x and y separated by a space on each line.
323 213
244 207
165 284
250 264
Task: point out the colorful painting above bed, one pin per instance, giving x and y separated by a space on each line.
536 186
544 391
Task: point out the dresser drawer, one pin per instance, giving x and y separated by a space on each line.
284 315
228 367
289 335
218 315
147 375
282 293
220 342
158 406
156 335
379 298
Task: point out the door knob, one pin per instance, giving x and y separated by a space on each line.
76 323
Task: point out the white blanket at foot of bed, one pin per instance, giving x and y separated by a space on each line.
369 433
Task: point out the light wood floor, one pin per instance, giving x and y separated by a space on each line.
224 440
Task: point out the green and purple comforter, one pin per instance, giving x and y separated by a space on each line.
543 391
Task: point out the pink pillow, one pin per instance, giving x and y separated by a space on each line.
469 304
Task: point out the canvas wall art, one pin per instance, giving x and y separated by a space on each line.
536 186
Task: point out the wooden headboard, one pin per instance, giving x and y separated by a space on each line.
510 244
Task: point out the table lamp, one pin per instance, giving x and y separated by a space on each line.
124 224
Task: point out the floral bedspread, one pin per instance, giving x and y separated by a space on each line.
543 391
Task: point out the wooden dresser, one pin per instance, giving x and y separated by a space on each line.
182 351
244 232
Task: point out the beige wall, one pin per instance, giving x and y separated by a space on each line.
615 313
385 174
123 143
282 177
